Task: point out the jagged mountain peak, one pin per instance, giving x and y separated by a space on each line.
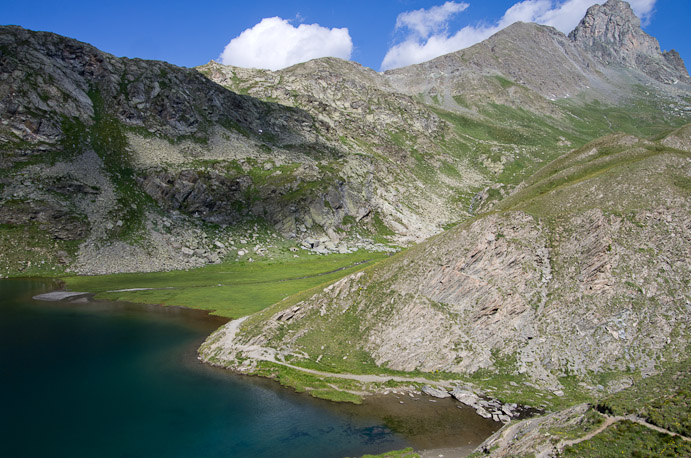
614 28
534 56
612 33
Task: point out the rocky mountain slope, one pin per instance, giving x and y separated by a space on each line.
493 113
579 272
601 58
103 156
390 138
573 284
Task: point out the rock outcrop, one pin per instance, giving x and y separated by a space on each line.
612 34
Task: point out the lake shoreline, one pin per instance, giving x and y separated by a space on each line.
397 399
115 379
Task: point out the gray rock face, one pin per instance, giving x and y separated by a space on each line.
211 195
466 397
46 77
220 198
59 221
674 59
436 392
612 33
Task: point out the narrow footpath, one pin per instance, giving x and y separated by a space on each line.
609 421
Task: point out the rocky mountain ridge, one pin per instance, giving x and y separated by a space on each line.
600 58
100 152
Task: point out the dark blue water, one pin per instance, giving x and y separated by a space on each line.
119 380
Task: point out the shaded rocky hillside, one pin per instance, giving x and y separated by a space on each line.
103 156
572 283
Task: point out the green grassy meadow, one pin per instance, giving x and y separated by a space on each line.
231 290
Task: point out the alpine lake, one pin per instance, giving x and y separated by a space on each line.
116 379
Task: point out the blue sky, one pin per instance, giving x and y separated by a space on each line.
393 32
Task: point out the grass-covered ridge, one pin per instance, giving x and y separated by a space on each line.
232 290
405 453
594 165
614 186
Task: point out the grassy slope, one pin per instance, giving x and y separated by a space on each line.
662 400
30 251
230 290
538 198
629 439
546 193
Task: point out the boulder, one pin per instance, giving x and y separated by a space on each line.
436 392
482 412
466 397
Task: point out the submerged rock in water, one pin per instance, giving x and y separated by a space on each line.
57 296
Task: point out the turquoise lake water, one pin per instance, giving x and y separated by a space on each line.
104 379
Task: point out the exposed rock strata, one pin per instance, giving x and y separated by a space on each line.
585 277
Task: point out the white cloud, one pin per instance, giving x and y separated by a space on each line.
275 43
434 20
419 47
644 9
